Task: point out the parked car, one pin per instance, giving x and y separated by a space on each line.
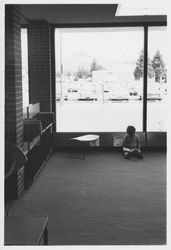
133 92
120 94
66 98
58 98
87 99
153 93
72 90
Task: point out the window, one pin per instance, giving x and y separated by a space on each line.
98 86
24 57
157 79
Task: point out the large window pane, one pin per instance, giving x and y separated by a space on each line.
157 79
24 57
99 79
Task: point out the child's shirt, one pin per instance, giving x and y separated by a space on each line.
131 142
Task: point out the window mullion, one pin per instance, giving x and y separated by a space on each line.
145 75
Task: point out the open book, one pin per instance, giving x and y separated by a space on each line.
131 149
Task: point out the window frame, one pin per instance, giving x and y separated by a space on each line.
119 21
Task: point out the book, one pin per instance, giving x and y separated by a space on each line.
131 149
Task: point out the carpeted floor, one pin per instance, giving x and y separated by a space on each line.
103 200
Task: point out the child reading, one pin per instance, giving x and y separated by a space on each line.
131 143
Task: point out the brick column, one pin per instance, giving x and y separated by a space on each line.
39 51
13 76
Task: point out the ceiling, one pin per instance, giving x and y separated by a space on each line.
68 13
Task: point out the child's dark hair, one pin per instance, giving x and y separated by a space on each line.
131 130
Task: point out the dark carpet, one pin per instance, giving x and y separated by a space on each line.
103 200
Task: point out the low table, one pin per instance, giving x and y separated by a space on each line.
26 230
85 140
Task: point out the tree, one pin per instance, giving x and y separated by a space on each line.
82 72
94 66
68 74
138 72
164 77
79 73
158 66
150 69
75 77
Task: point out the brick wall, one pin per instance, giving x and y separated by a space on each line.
39 50
13 77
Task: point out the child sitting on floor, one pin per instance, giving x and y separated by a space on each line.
131 143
